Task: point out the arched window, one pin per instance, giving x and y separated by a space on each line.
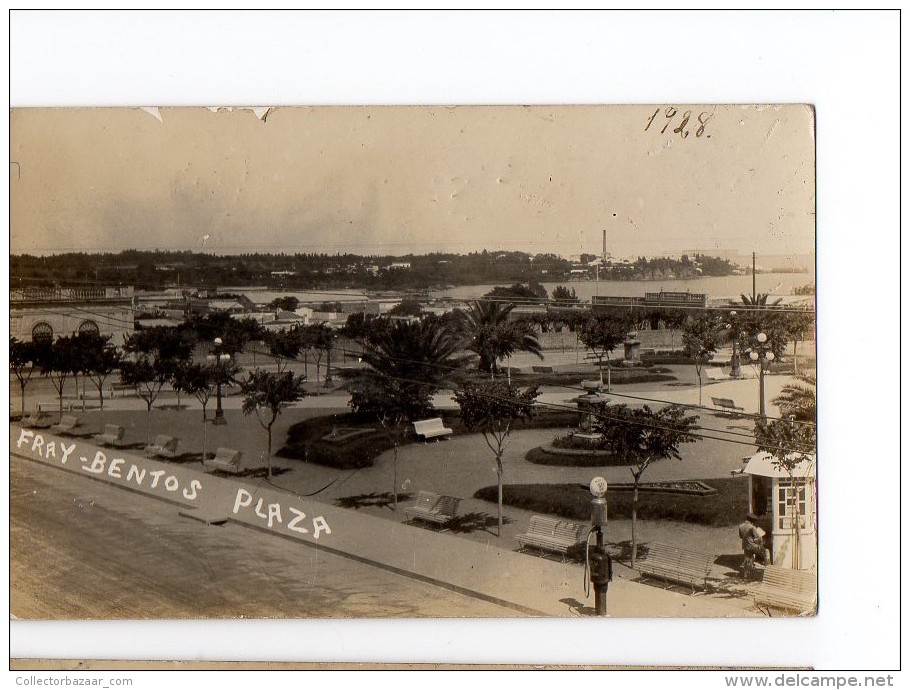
42 332
89 327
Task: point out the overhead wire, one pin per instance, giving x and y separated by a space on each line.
564 407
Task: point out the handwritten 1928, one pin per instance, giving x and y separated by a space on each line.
683 127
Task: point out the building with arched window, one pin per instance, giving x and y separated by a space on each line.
45 313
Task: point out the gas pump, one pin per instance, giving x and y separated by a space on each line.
599 563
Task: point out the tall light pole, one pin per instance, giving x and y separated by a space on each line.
220 360
760 354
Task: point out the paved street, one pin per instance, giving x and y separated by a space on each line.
85 550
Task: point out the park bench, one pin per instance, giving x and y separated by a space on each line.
432 508
431 428
36 420
784 588
67 425
164 447
112 436
726 406
673 564
225 460
552 534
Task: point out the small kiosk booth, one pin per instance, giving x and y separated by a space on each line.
785 503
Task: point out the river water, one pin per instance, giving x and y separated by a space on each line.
776 284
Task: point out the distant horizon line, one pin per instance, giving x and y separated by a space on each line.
716 253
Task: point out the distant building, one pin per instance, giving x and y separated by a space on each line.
46 313
653 299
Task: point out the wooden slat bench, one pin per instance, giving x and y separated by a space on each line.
673 564
552 534
164 447
784 588
225 460
432 508
431 428
725 405
67 425
112 436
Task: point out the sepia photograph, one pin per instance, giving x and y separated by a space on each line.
413 362
433 340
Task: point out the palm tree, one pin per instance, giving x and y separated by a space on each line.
407 362
490 333
797 402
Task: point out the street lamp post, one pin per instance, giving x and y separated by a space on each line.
219 359
760 355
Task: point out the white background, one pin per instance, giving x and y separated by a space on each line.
846 64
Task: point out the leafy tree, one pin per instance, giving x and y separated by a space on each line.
493 407
234 333
267 395
565 295
702 336
601 334
200 381
99 358
640 436
798 325
673 319
25 359
59 363
759 315
533 293
395 424
407 307
154 355
287 303
489 332
406 363
284 345
791 441
147 380
319 339
359 325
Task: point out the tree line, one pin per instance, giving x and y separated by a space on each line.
406 361
158 269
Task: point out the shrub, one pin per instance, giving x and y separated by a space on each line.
306 441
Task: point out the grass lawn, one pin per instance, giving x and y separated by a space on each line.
722 509
358 441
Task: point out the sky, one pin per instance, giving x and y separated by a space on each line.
397 180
